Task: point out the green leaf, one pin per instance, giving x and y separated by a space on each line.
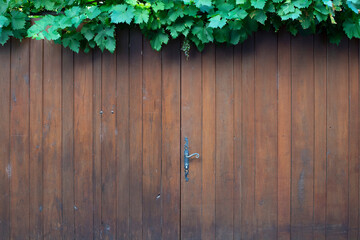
217 22
18 19
122 14
204 34
238 13
328 3
93 12
176 29
4 22
88 31
141 16
104 33
237 36
160 38
291 15
72 41
4 36
259 15
354 5
240 2
352 28
3 6
201 3
258 4
158 6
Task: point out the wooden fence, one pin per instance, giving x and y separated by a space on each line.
91 145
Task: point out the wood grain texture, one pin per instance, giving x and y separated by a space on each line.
354 134
171 174
36 161
237 141
68 191
284 135
52 181
208 143
302 137
337 204
5 167
136 133
122 139
83 139
266 135
96 98
152 208
191 99
224 145
91 145
320 137
19 140
108 146
248 223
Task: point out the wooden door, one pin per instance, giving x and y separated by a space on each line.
92 145
276 123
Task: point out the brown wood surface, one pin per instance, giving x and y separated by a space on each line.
36 160
68 190
5 167
91 144
52 125
108 147
284 135
191 105
224 175
122 139
337 204
302 123
171 174
83 148
266 135
19 140
320 137
208 143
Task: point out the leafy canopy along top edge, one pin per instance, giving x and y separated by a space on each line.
86 24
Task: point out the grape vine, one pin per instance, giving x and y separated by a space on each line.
86 24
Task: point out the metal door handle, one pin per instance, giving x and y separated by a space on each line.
187 158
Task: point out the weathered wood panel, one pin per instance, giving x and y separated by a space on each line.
91 145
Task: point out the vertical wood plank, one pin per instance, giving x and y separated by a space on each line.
266 135
136 132
151 143
224 177
237 140
302 137
248 140
68 191
284 135
36 173
208 144
337 141
122 142
108 146
5 167
354 134
19 140
191 103
171 173
97 72
320 137
52 125
83 127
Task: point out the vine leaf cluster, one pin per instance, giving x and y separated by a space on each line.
86 24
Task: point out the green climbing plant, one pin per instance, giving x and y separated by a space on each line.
86 24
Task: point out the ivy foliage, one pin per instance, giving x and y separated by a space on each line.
86 24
